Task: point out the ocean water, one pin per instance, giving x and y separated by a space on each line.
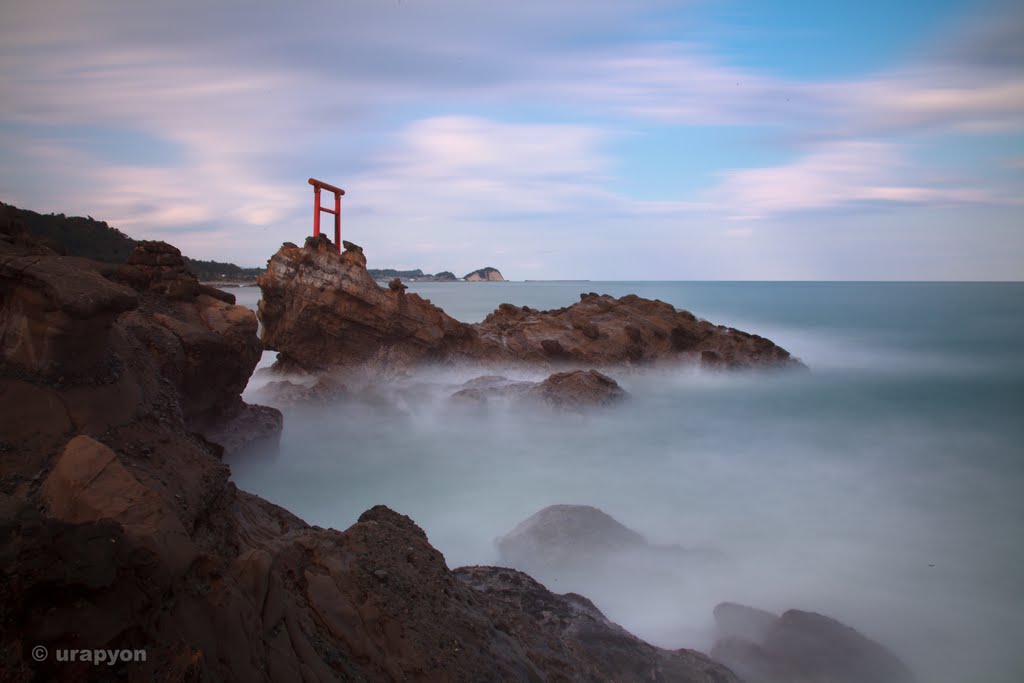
885 487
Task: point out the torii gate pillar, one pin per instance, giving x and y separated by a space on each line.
317 208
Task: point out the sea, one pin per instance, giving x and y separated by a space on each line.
883 487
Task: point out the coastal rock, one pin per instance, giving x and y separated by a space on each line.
801 646
600 330
564 631
321 310
487 274
56 316
121 530
206 346
112 342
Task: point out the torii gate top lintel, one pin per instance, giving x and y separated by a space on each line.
317 208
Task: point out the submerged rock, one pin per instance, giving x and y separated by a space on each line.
577 389
583 549
322 309
801 646
571 391
561 535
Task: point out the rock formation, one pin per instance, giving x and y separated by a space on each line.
322 309
801 646
487 274
121 529
114 344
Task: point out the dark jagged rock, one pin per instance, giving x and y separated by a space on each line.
121 529
801 646
114 340
561 630
321 309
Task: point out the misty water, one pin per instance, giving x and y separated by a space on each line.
884 487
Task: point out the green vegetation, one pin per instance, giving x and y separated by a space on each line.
382 273
93 239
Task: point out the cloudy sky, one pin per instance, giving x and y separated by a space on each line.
600 139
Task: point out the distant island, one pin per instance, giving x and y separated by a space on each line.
92 239
487 274
416 275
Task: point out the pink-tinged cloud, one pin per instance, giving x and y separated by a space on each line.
837 175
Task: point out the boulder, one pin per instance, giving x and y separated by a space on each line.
801 646
577 389
573 391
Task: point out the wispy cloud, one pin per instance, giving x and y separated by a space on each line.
449 123
835 175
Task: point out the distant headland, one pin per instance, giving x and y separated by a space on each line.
89 238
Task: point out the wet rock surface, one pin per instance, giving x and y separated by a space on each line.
322 309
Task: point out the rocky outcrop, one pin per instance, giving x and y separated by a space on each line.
56 317
487 274
801 646
112 342
600 330
122 531
321 309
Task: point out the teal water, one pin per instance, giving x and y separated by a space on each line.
885 487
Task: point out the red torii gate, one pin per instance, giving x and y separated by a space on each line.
317 208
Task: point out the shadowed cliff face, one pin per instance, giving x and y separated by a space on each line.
121 529
321 309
